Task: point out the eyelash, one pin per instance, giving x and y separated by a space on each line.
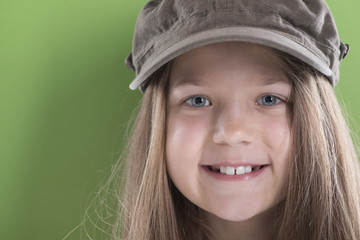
277 99
190 101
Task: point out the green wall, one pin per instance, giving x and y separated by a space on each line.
65 104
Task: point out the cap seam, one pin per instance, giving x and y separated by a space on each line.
183 20
164 49
267 29
332 48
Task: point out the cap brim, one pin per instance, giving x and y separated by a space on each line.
270 38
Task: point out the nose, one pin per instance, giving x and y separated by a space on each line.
234 126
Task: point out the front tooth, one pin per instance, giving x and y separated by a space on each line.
248 169
222 169
240 170
230 170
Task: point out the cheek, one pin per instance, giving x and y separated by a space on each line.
277 135
278 141
185 136
278 138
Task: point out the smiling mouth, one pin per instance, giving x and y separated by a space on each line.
229 170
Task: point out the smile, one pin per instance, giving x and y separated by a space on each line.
240 170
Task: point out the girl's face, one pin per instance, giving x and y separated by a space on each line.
228 129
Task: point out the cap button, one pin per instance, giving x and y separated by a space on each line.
344 50
129 62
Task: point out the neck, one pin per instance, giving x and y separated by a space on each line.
259 227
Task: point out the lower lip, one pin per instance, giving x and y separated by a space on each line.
241 177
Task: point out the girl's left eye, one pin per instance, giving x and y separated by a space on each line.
198 101
269 100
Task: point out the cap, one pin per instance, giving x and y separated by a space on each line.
166 29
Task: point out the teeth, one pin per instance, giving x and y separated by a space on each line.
248 169
257 168
238 171
230 170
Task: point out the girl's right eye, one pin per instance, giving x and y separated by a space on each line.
198 101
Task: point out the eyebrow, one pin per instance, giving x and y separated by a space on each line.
199 83
272 81
188 81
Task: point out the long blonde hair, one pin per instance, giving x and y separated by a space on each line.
323 195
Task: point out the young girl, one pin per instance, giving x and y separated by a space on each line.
239 134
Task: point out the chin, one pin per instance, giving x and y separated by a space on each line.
236 216
241 214
230 212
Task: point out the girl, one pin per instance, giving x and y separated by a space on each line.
239 134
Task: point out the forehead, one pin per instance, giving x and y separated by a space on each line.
227 58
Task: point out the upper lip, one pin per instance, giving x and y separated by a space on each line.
235 164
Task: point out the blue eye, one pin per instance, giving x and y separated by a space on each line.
198 101
268 100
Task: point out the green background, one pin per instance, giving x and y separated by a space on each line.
65 104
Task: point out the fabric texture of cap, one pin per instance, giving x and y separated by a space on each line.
166 29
